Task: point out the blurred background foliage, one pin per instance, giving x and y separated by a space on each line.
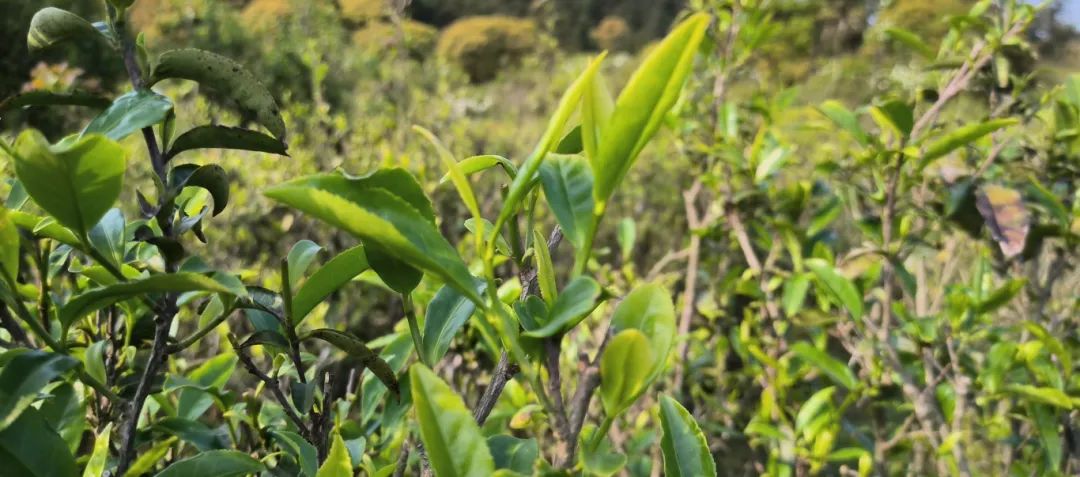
354 75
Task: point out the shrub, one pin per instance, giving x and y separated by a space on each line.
481 45
263 14
359 12
376 37
612 33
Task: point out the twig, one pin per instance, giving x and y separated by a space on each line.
275 388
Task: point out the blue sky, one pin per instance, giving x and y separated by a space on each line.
1071 11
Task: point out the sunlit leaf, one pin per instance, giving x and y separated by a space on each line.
453 442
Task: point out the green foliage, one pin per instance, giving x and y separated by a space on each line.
842 241
483 45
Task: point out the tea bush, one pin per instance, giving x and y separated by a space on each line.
483 45
863 264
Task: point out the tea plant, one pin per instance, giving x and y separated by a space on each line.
121 340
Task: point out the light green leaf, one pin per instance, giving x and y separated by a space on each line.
832 367
1042 395
95 467
842 289
94 360
226 76
24 376
358 350
454 444
9 247
1046 422
845 119
216 463
545 269
224 137
45 227
53 25
327 279
381 219
445 315
577 300
474 164
648 309
686 453
130 113
568 186
337 463
912 41
98 298
643 104
795 289
300 257
963 136
523 182
596 108
627 237
894 115
810 409
76 181
625 369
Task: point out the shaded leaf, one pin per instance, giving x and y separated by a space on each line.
224 137
842 289
216 463
445 315
30 448
23 378
226 76
832 367
568 184
357 349
211 177
54 98
300 449
577 300
53 25
300 257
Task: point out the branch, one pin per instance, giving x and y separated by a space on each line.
275 388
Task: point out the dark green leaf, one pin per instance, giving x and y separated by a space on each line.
76 181
453 442
514 454
98 298
686 453
108 236
24 376
226 76
300 449
30 448
445 315
194 432
577 300
211 177
53 25
224 137
52 98
357 349
130 113
216 463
